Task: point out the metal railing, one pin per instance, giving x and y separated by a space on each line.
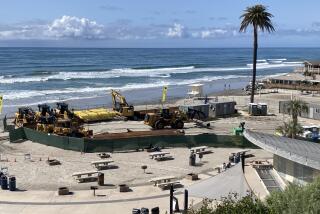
292 87
299 158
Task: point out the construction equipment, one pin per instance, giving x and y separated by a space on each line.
195 114
62 111
120 105
60 121
69 127
25 117
164 118
68 124
45 119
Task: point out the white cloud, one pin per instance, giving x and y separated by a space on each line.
177 31
74 27
64 27
212 33
77 28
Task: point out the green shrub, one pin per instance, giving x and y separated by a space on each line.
295 199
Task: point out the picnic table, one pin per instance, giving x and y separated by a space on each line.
164 182
200 149
86 176
101 164
159 156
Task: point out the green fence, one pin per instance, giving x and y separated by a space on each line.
106 145
69 143
16 135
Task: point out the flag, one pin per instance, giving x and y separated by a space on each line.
1 102
164 93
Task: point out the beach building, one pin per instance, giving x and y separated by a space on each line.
294 160
306 78
312 67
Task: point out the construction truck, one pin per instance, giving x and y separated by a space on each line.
164 118
25 117
120 105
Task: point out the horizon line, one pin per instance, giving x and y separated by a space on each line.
92 47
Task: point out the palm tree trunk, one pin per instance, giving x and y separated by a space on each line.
254 68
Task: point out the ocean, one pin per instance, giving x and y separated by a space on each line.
84 76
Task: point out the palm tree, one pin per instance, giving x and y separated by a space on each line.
290 129
295 108
293 128
260 19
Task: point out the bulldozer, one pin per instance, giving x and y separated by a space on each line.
68 127
25 117
60 121
67 124
62 111
120 105
164 118
45 119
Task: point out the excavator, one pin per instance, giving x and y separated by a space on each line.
120 105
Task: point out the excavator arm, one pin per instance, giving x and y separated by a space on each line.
118 101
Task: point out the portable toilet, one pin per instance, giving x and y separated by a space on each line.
253 109
263 108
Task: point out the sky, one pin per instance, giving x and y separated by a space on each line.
153 23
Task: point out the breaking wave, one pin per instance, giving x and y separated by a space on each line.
142 72
89 92
14 95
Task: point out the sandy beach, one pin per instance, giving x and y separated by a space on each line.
37 178
41 176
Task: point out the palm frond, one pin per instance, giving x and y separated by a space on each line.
258 17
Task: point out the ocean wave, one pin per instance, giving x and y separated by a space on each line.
89 92
22 94
275 64
277 59
131 72
47 101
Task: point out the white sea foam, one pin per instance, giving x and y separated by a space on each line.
15 95
281 59
130 72
89 92
47 101
275 64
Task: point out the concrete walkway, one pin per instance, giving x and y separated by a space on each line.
105 201
85 202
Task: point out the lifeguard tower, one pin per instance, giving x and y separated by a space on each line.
196 90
